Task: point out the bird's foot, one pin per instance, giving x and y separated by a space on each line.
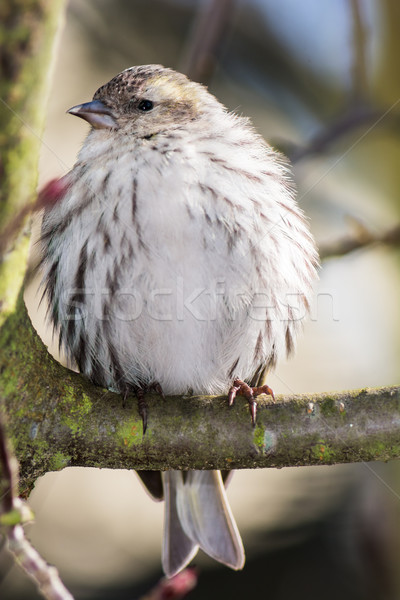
142 407
156 387
240 388
140 393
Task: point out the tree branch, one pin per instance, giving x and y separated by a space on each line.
27 34
56 418
361 239
210 28
15 512
355 117
359 66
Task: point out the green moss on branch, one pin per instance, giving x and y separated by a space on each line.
56 418
27 32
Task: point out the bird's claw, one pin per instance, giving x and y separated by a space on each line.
142 407
158 389
240 388
140 395
235 389
253 412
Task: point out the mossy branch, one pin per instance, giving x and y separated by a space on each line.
27 34
56 418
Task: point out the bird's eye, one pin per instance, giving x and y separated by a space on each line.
145 105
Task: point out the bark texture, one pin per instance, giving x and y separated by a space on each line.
27 33
56 418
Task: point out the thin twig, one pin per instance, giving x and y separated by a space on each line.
46 577
13 514
359 67
348 244
175 588
211 25
344 125
9 483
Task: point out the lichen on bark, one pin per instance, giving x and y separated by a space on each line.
56 418
27 33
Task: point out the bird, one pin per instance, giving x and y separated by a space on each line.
175 257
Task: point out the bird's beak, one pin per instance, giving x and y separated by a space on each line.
96 113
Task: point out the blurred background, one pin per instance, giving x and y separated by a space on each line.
320 80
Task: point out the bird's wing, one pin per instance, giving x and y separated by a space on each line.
153 483
260 376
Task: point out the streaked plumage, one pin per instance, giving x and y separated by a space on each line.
177 256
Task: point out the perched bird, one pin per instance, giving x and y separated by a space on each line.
175 257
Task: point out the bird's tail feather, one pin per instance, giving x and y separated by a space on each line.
197 514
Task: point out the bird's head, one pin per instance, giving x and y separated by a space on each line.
144 101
